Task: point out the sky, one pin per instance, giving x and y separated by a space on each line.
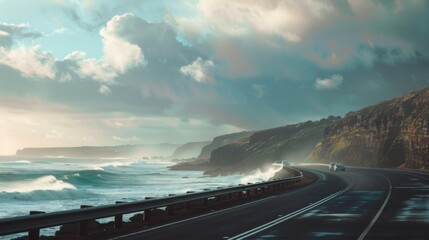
104 72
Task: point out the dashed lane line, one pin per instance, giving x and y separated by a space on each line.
288 216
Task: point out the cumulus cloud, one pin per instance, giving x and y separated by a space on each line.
31 62
119 54
333 82
104 90
199 70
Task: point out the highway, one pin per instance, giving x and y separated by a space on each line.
359 203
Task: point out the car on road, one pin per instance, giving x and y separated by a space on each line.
339 167
332 166
285 163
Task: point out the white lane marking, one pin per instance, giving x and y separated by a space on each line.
289 216
322 176
193 218
365 232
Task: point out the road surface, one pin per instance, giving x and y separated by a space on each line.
356 204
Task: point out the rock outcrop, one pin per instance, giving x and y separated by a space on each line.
292 142
220 141
391 134
189 150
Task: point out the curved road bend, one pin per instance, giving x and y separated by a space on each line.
356 204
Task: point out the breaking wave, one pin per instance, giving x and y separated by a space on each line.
42 183
261 176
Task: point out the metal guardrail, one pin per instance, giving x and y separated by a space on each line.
33 223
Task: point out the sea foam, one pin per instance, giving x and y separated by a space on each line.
261 176
48 182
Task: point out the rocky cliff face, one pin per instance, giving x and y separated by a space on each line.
189 150
292 142
390 134
220 141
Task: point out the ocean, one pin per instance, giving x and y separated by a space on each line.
53 183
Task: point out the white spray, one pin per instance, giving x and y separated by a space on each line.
261 176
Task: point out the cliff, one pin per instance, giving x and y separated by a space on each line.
189 150
139 150
220 141
391 134
262 148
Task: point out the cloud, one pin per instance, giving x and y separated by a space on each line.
127 139
285 19
199 70
119 55
4 34
31 62
54 134
329 83
262 55
104 90
10 32
330 34
259 89
57 31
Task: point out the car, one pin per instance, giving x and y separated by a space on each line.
339 167
285 163
332 166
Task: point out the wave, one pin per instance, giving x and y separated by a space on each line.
161 162
102 166
90 177
66 194
44 183
16 162
261 176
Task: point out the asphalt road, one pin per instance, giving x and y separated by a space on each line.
356 204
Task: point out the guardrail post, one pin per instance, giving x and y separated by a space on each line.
83 225
170 210
118 218
34 234
147 215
